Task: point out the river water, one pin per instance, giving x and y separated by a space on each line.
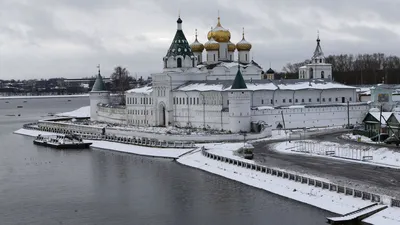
40 186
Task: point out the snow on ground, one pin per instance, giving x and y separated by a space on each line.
42 96
353 137
113 146
158 130
318 197
229 150
388 216
78 113
380 156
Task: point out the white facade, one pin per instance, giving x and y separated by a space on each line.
198 94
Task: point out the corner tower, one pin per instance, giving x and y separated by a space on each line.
98 95
239 105
179 54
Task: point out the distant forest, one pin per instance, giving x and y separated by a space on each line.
357 70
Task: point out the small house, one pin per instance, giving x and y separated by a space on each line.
373 122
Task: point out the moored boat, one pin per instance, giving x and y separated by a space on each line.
61 141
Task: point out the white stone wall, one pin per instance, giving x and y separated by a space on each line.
311 117
112 115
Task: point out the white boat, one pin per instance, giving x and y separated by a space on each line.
61 142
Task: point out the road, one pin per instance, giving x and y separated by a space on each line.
367 177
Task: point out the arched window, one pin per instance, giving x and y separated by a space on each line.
214 57
246 57
165 63
322 75
193 62
311 73
179 62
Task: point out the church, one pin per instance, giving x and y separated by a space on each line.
221 88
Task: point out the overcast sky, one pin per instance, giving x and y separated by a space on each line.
68 38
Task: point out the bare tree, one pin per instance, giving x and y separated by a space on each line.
120 82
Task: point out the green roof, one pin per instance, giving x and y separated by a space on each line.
179 46
239 83
99 84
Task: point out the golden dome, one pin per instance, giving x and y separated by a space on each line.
243 45
219 33
196 46
231 47
211 45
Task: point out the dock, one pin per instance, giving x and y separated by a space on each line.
357 216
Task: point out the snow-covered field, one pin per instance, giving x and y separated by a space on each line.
381 156
133 149
78 113
321 198
42 96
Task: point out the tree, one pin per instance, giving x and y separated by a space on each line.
120 82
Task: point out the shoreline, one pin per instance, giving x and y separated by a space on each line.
317 197
41 96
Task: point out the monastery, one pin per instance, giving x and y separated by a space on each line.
222 88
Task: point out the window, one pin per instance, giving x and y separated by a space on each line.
311 73
180 101
190 101
214 57
302 100
227 102
323 99
322 74
198 101
283 100
246 57
309 100
179 62
262 101
290 100
330 99
336 99
173 101
317 99
183 100
350 99
320 60
272 101
296 100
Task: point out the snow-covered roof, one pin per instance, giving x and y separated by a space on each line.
143 90
201 87
256 85
385 115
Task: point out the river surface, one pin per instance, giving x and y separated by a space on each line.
43 186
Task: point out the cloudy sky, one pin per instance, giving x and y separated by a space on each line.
68 38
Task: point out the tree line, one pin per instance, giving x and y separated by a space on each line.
357 69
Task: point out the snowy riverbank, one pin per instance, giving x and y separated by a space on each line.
126 148
82 112
380 155
42 96
321 198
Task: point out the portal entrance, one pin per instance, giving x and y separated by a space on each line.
161 115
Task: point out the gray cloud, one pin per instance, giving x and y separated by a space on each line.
68 38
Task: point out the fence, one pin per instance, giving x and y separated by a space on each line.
301 179
349 152
115 138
